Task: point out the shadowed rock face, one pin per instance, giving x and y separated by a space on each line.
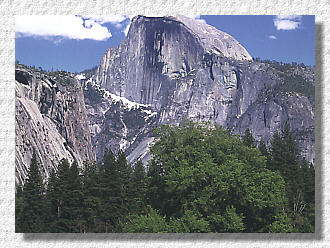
181 68
155 51
167 69
141 67
51 118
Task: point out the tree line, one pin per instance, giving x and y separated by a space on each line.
200 179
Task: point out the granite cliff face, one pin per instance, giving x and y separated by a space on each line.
156 52
177 67
167 69
51 118
117 123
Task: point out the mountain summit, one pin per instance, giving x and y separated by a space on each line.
214 40
166 70
158 49
179 68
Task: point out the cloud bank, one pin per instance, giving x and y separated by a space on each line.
73 27
116 20
287 22
70 27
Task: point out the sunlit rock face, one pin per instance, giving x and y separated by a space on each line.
183 68
50 118
214 40
167 69
157 51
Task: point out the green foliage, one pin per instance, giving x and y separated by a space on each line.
110 191
73 206
58 196
228 221
138 189
208 170
190 222
295 83
125 173
281 224
114 189
307 226
200 179
299 179
153 222
91 202
291 79
19 210
263 148
30 201
64 198
248 139
52 200
64 78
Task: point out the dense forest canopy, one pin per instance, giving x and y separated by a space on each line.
200 179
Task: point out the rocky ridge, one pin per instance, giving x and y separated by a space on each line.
167 69
51 118
116 122
177 67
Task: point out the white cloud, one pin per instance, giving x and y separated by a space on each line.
118 21
287 22
273 37
114 19
70 27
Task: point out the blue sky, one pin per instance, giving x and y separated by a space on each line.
75 43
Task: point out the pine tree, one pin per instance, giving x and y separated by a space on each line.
290 170
62 197
248 139
19 208
138 189
276 150
74 191
91 202
111 192
309 181
285 159
308 174
263 149
291 151
125 173
33 197
156 193
51 204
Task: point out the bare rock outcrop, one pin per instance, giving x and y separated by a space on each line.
50 118
183 68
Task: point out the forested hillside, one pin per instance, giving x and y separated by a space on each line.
201 178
